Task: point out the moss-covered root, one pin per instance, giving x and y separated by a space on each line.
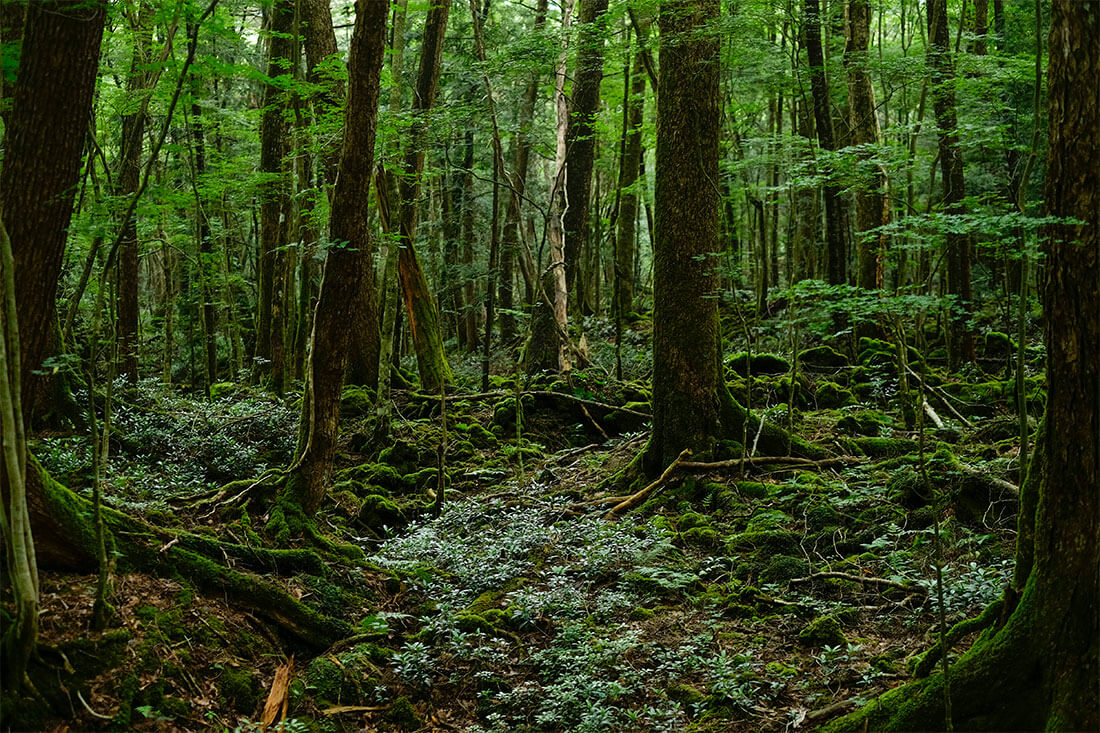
983 621
142 548
1015 678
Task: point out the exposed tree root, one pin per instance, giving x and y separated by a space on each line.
635 499
172 553
984 620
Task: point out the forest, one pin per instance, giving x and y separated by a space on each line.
550 365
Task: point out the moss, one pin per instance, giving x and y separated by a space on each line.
700 537
887 447
831 394
481 437
221 390
752 489
772 542
240 688
379 514
762 363
998 345
768 519
782 568
822 631
403 715
822 357
864 422
684 694
471 622
422 478
819 516
356 402
690 520
906 487
641 613
778 669
325 678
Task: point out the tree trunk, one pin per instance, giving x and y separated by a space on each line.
349 270
420 305
628 203
1041 669
872 207
836 228
129 178
275 205
960 340
580 139
206 262
513 217
45 133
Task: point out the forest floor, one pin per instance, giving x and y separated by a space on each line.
756 597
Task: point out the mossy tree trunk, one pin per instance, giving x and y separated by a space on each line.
349 270
420 301
44 135
1041 669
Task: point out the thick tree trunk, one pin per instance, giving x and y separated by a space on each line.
275 204
349 270
1041 670
836 228
45 132
960 340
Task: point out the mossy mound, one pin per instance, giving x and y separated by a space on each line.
822 357
782 568
380 515
356 402
830 395
822 631
760 364
768 542
864 422
886 447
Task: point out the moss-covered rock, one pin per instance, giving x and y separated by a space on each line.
761 364
771 542
864 422
241 689
221 390
403 715
700 537
822 357
830 395
752 489
379 513
782 568
822 631
356 402
684 694
887 447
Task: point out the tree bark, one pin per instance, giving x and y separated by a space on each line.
628 203
128 181
872 207
45 132
960 339
580 139
836 229
275 204
349 270
420 307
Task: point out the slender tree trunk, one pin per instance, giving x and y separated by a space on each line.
872 206
420 305
349 270
206 263
510 241
960 339
628 184
580 140
275 205
836 234
129 178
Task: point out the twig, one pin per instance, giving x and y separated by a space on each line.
89 708
942 395
637 498
861 579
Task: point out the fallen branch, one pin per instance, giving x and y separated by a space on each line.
932 415
784 460
637 498
943 397
861 579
